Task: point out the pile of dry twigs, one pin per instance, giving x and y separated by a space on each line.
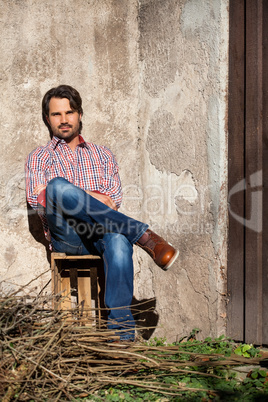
45 355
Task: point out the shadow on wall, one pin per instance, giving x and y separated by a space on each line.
145 316
36 230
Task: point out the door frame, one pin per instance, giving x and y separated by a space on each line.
247 257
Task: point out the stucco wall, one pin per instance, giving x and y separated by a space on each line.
153 78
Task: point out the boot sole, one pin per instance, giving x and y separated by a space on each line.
172 260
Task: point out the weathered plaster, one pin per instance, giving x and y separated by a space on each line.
183 108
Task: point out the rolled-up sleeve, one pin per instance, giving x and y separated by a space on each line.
34 174
111 183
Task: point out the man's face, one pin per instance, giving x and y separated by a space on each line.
64 121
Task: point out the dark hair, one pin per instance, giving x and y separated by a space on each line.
62 91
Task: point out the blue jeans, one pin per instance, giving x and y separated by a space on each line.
80 224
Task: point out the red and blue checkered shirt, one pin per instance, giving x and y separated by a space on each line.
90 167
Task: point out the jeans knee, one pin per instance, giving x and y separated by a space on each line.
58 188
56 183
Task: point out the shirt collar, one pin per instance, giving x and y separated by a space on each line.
82 142
56 141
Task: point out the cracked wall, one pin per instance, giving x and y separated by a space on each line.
153 79
183 59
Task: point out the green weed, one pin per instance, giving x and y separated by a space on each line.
200 383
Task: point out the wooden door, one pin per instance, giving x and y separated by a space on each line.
247 283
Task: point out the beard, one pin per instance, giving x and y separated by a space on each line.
66 131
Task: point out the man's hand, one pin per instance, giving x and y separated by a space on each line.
40 191
39 188
105 199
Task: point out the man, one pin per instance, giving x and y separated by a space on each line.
80 215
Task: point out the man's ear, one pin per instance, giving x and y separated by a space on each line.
47 119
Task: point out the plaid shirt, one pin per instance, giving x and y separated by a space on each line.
90 167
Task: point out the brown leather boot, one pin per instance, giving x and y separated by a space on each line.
163 254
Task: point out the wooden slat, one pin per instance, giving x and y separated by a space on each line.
253 150
63 256
265 174
84 288
235 279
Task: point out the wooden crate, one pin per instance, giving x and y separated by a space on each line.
75 282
